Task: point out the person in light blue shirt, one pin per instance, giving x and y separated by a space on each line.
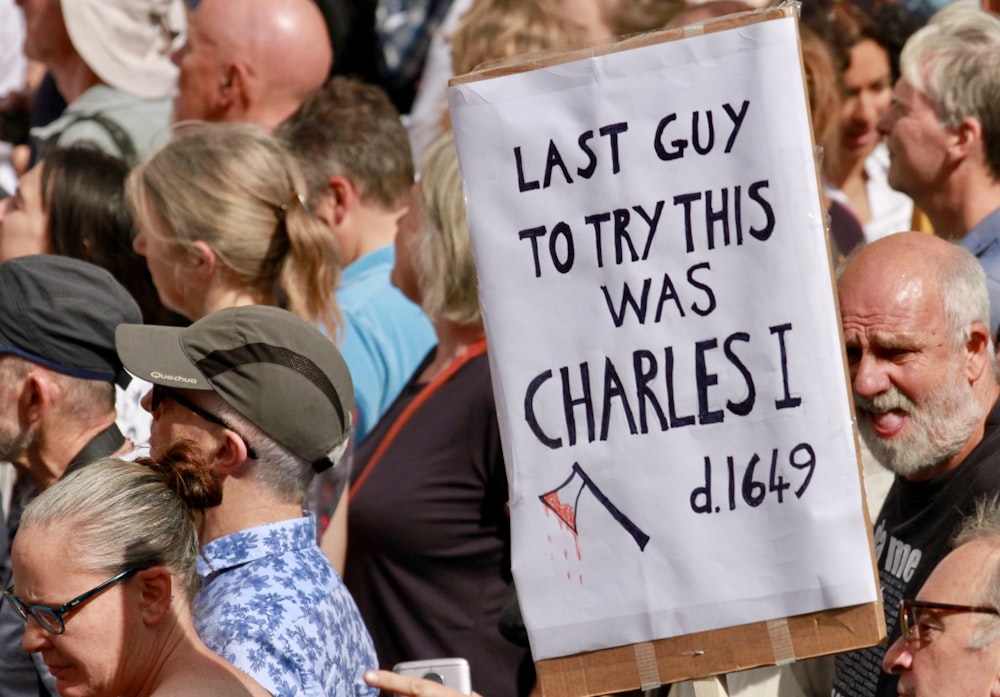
355 154
272 605
984 242
267 400
385 335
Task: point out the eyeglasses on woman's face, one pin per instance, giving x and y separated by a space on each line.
51 619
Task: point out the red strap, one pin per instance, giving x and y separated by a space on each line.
475 349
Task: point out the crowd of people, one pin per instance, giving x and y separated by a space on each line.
248 436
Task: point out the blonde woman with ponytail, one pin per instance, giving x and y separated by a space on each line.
222 222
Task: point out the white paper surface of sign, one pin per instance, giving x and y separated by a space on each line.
681 172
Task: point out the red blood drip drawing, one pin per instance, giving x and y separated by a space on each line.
568 513
565 511
562 526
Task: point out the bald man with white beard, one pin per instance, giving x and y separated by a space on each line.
915 313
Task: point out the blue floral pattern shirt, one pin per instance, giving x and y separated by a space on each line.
271 604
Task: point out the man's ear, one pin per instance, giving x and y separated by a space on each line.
230 454
995 685
978 351
343 196
235 87
154 587
38 392
966 140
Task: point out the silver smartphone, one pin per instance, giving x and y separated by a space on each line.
450 672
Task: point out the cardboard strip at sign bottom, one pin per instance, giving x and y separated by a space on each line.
711 653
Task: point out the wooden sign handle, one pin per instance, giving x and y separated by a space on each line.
712 686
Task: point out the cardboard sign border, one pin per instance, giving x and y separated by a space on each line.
675 659
520 64
713 652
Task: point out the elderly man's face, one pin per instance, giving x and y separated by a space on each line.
202 69
917 141
914 401
946 654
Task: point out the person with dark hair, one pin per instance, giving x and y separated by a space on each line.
824 106
118 541
73 204
855 160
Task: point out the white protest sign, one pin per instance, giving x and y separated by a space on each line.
664 341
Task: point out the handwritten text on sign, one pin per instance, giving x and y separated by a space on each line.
663 340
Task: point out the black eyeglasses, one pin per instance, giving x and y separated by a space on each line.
159 393
909 622
51 619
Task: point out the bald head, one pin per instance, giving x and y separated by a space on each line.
251 60
914 310
914 269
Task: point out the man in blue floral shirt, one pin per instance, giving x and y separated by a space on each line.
267 401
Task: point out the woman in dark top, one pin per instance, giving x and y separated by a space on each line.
428 538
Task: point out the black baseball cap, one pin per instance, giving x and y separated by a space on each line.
62 313
275 369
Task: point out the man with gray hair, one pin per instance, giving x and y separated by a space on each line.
58 369
266 399
950 630
914 309
943 132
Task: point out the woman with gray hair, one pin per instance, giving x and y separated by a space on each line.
120 539
429 540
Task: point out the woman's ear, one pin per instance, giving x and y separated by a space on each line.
203 257
155 588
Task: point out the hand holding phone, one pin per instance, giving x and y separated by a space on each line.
450 672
